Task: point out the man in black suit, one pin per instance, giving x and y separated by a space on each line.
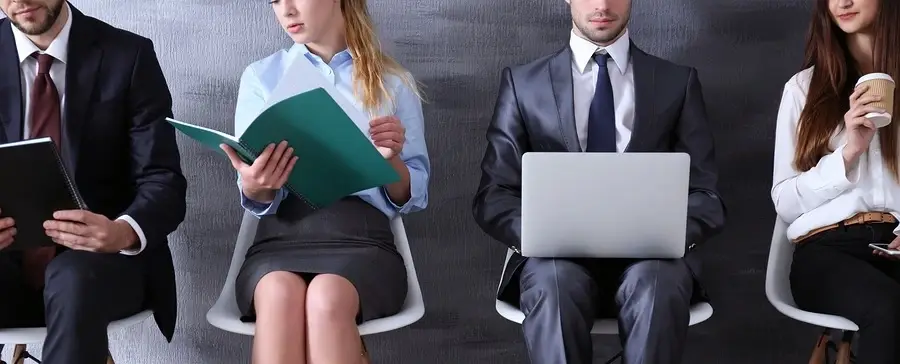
631 102
100 94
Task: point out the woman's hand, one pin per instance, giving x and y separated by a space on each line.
388 134
268 173
859 129
894 245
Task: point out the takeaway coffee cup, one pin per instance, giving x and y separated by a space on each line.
880 84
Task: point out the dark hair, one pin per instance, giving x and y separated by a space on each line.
834 77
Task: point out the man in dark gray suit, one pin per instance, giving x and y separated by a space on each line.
599 94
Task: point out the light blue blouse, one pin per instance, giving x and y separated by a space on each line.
259 80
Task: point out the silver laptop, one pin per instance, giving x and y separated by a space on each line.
604 205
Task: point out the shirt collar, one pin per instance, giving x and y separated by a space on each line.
59 48
338 59
583 51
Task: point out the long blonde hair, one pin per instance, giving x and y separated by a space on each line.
370 64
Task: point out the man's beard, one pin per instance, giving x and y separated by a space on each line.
43 26
602 37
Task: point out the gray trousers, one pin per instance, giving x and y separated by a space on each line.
562 298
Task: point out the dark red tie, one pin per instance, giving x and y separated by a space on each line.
45 122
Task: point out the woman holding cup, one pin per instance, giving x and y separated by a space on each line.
836 171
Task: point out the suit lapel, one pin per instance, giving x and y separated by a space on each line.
11 103
561 81
644 98
81 75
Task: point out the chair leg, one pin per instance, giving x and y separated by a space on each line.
844 355
820 351
613 359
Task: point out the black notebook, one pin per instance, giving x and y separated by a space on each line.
34 184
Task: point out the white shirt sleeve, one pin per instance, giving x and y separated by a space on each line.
795 193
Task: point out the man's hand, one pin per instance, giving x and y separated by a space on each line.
83 230
894 245
7 231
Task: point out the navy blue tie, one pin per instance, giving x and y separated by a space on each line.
601 135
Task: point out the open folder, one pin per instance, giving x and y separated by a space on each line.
334 158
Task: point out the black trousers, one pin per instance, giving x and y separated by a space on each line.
561 298
83 293
835 272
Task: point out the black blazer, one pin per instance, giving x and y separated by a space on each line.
535 113
121 152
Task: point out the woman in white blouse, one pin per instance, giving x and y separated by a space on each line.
836 175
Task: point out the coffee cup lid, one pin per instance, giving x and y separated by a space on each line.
874 76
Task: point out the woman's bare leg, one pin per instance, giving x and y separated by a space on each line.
280 319
332 304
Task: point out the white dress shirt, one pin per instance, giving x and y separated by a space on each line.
831 191
584 82
59 49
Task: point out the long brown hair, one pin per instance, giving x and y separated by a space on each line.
833 78
370 64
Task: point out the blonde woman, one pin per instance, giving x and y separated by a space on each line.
312 276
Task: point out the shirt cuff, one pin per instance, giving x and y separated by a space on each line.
261 209
387 197
418 193
140 234
833 176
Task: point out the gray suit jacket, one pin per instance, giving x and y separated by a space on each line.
535 113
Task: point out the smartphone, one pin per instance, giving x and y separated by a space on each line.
884 248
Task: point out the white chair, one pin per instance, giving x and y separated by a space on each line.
32 335
699 312
225 314
778 291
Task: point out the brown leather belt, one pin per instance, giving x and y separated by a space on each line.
860 218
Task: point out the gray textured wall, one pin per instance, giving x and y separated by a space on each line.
457 48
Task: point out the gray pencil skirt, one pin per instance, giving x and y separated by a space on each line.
350 238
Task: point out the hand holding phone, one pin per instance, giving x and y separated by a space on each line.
890 251
885 249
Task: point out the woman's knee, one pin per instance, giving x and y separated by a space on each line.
331 296
280 289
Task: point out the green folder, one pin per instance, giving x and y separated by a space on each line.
334 158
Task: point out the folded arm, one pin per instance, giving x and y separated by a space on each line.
497 206
159 204
795 193
706 210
